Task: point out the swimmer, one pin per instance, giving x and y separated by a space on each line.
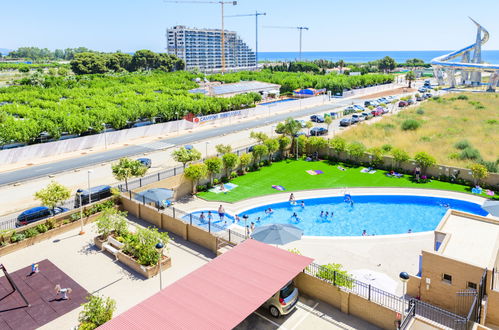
271 211
236 219
332 214
302 204
327 214
322 214
210 216
351 203
409 231
364 232
202 217
252 226
292 198
258 220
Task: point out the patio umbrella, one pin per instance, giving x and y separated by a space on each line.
277 234
155 195
492 207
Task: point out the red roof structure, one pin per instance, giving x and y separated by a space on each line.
219 295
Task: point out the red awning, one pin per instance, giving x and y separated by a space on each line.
219 295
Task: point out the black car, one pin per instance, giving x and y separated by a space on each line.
147 162
37 213
316 131
345 122
317 118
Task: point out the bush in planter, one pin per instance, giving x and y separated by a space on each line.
142 245
16 237
233 175
96 312
74 216
202 187
31 232
111 220
50 224
215 182
224 179
42 228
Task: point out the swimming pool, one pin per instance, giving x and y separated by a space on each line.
377 214
279 101
216 224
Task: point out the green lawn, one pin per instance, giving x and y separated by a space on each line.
291 175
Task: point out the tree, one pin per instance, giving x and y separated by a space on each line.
376 156
185 156
424 160
258 152
96 311
341 65
309 125
301 143
128 168
284 142
335 273
316 143
410 77
479 172
400 156
289 128
196 172
328 120
387 64
272 146
356 150
259 136
245 160
223 148
230 161
338 144
213 166
53 194
88 63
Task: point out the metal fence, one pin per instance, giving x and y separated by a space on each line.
439 315
358 288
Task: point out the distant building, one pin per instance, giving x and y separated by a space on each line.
202 49
242 87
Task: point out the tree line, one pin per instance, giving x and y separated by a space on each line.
45 54
90 63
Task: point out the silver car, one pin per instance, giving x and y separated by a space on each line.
283 301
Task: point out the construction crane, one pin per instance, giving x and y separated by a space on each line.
221 3
301 28
256 14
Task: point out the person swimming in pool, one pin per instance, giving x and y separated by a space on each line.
364 232
332 214
202 217
302 204
236 219
210 216
295 217
258 220
322 214
327 214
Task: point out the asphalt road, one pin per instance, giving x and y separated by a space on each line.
106 156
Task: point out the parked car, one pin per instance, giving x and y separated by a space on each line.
37 213
428 95
302 122
410 101
359 107
354 120
357 117
283 301
419 98
367 103
403 104
317 118
383 100
422 90
427 83
367 115
316 131
351 108
377 112
385 110
147 162
96 193
345 122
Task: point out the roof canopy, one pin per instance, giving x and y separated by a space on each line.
219 295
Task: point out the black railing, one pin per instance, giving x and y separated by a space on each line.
439 315
409 316
358 288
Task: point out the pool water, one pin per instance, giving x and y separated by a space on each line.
376 214
216 223
279 101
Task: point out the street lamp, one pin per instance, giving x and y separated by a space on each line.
176 116
206 148
88 182
404 277
105 137
79 193
160 246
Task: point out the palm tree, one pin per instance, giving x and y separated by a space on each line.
341 64
289 128
410 77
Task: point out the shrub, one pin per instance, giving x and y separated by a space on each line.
463 144
492 167
233 175
470 153
479 172
491 121
410 125
42 228
386 147
356 150
335 274
16 237
420 111
462 97
65 222
224 179
50 224
75 216
30 232
142 245
96 312
202 187
216 181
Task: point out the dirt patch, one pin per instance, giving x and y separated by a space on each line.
400 90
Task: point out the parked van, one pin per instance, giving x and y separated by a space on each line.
37 213
283 301
97 194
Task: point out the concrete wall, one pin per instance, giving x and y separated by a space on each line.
201 237
347 302
413 286
173 225
492 308
441 293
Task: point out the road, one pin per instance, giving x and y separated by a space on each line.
106 156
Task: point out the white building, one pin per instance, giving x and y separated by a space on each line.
202 49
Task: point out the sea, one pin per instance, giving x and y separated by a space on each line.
489 56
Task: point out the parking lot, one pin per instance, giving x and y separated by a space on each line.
308 314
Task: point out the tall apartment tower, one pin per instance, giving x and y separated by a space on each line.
202 49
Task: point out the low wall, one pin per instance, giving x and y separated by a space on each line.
150 214
173 225
201 237
346 302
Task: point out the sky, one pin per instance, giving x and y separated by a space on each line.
354 25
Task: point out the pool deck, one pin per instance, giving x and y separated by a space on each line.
377 260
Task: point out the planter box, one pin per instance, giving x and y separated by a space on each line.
147 272
44 236
98 242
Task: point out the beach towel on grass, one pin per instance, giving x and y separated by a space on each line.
314 172
280 188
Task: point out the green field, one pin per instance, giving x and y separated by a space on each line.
291 175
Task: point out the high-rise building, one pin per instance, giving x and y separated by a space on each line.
202 49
